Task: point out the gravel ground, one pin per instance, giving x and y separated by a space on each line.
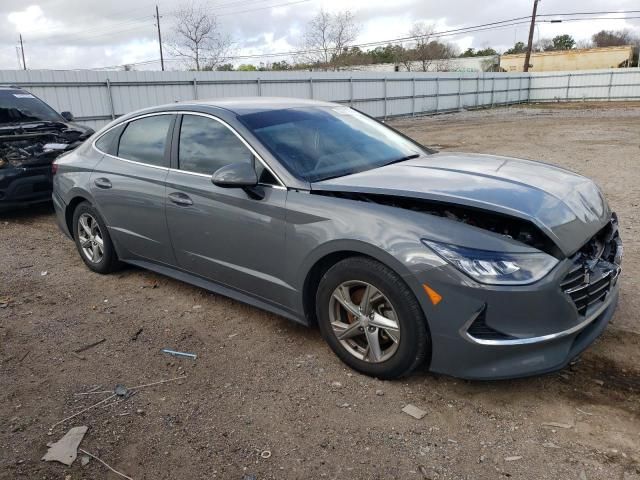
268 399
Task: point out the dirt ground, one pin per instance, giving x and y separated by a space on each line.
267 399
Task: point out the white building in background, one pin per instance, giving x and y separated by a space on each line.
464 64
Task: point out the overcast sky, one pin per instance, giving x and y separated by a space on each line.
72 34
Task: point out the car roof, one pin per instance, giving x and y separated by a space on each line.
10 87
246 105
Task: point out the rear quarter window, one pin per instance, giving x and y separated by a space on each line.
108 143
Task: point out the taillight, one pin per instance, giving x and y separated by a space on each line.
54 168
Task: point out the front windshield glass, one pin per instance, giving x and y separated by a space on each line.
18 106
317 143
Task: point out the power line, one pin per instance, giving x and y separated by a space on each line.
263 8
452 32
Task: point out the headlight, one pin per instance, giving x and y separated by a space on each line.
496 268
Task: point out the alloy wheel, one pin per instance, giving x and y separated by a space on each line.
90 238
364 321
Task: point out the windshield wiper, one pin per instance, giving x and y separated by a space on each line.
402 159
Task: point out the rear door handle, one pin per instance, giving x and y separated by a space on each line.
102 183
181 199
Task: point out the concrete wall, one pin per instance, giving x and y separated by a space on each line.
565 60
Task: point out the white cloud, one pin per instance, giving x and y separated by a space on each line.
31 20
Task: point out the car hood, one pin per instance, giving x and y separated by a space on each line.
70 129
568 207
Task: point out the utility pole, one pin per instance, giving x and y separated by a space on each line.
24 63
159 38
527 57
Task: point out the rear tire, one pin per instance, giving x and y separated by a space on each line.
93 241
382 329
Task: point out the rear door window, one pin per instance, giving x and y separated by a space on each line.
145 140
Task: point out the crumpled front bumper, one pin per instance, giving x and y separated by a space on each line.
24 186
495 332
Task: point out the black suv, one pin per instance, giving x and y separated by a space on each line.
32 135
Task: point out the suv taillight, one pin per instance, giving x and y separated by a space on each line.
54 168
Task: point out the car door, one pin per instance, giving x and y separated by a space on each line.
128 186
225 234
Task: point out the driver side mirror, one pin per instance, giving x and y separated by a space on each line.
68 116
238 175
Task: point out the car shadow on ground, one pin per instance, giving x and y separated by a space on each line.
27 212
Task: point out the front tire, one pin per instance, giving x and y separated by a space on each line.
93 241
371 319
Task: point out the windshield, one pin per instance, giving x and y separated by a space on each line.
19 106
318 143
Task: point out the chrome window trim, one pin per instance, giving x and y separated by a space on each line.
196 174
281 185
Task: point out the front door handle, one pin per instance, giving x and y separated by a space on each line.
181 199
102 182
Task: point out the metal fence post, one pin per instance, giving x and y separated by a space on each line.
493 88
385 98
459 92
611 84
110 95
437 93
519 89
478 90
351 91
568 87
506 97
529 80
259 87
311 87
195 89
413 97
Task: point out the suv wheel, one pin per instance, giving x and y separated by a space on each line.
371 319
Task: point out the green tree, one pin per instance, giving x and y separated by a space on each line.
247 67
483 52
486 52
227 67
282 65
562 42
519 47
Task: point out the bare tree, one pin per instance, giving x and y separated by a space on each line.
327 36
610 38
197 37
425 51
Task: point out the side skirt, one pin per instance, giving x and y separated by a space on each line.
217 288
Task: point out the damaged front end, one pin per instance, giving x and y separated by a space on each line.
26 155
513 228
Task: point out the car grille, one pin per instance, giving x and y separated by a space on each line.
586 290
596 269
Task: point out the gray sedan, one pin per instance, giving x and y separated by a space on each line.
478 266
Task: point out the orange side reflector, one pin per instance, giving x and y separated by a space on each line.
434 296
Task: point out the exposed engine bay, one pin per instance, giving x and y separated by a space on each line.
605 245
25 148
514 228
